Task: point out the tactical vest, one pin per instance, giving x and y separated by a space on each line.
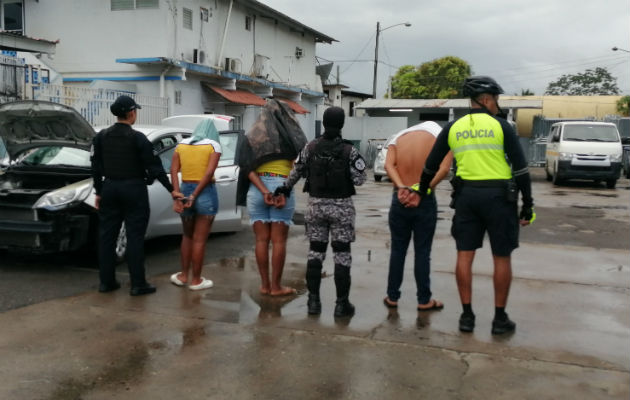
477 144
121 155
328 169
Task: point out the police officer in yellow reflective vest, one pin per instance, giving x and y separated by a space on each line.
486 187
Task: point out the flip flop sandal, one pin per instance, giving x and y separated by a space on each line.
175 280
435 305
204 284
389 304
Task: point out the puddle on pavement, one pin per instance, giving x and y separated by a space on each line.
599 207
235 262
604 194
119 373
192 335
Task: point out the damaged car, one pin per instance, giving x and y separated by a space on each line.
46 192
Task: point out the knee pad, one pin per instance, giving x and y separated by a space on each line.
340 246
318 247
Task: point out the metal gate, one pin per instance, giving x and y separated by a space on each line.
93 104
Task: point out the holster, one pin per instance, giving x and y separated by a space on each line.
511 191
456 183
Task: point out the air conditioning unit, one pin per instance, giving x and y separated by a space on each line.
199 56
233 65
261 66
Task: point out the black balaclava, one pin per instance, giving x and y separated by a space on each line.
333 122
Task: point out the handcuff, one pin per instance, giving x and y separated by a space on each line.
415 188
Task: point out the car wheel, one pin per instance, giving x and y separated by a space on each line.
556 176
611 183
378 178
121 244
548 175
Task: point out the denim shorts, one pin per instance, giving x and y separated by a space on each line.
259 211
206 202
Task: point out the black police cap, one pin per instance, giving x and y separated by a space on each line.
122 105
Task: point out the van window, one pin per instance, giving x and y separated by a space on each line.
585 133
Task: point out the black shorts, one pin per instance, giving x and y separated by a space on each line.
478 210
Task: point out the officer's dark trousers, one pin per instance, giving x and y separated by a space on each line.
403 222
128 201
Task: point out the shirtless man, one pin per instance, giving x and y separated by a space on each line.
406 155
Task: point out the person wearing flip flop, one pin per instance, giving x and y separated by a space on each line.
406 155
196 158
486 190
266 158
332 167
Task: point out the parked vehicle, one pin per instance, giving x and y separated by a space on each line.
46 191
626 156
379 162
583 150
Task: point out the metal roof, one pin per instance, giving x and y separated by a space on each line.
267 11
17 42
214 72
373 104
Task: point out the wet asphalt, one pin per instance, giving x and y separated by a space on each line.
570 298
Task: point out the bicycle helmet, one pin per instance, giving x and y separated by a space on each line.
476 85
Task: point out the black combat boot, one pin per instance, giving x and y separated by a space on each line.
343 308
313 281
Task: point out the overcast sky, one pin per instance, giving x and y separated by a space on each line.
523 44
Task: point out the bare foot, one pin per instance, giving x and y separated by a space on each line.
264 290
284 291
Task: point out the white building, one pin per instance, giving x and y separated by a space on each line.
205 56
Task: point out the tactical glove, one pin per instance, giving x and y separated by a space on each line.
282 190
527 214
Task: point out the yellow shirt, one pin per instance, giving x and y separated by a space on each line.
194 157
282 167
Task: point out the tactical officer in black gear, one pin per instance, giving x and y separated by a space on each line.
123 164
332 167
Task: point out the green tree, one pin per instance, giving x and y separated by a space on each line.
441 78
526 92
591 82
623 105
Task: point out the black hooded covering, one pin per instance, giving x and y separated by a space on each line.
276 135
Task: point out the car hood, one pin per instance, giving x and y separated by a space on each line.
29 124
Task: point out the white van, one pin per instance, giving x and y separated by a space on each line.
583 150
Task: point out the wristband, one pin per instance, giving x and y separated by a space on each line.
416 188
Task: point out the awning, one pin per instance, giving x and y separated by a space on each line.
239 96
293 105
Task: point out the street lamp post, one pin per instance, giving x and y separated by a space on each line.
378 32
618 49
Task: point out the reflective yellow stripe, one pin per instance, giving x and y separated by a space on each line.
468 147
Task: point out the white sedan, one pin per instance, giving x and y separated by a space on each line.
46 191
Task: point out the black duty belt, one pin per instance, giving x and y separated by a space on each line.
492 183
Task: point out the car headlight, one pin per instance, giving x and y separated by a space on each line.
64 197
615 158
565 156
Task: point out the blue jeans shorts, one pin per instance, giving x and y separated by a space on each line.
259 211
206 202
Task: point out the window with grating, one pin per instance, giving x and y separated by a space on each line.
122 5
133 4
188 18
147 3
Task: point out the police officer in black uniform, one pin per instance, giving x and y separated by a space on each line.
332 168
123 163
